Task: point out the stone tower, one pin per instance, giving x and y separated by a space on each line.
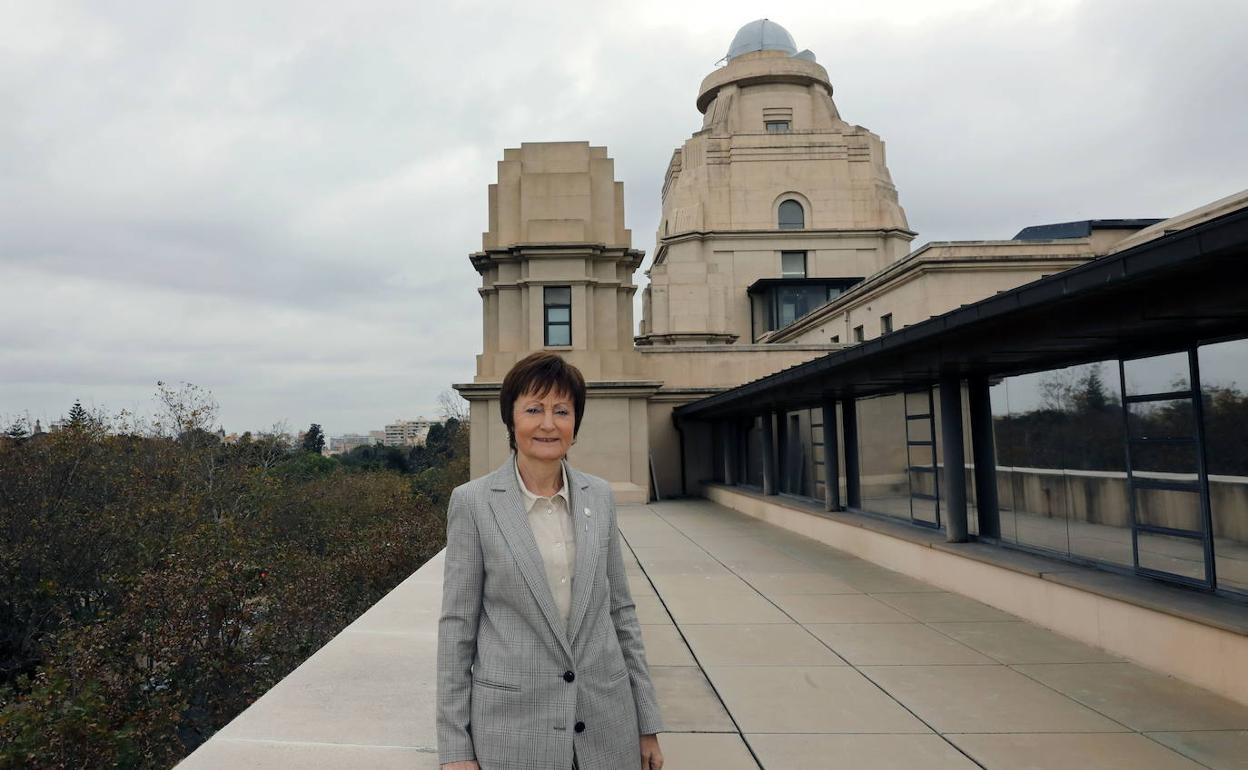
773 207
556 270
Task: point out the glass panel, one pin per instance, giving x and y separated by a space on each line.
558 295
917 402
1161 419
793 264
919 430
1224 402
1156 460
792 216
1003 436
1175 555
558 334
777 126
1061 462
923 510
558 314
1169 508
1157 374
921 456
793 302
882 456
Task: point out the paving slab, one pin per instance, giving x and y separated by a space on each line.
650 611
838 608
895 644
700 751
1021 642
808 699
758 645
985 699
1104 751
769 583
687 701
857 752
743 605
1139 698
664 647
1216 749
942 607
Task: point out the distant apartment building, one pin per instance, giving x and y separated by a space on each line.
407 432
344 444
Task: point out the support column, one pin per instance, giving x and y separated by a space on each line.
955 457
728 435
849 429
769 453
984 455
831 471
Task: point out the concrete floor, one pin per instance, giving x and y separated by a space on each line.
770 650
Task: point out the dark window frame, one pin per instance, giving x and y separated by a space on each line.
780 126
547 324
859 334
783 225
886 323
805 268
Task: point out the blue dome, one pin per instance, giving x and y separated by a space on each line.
761 35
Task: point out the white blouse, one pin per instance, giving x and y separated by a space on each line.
552 529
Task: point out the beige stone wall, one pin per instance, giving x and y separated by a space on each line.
557 219
613 440
719 230
935 279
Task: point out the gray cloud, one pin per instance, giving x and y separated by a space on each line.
276 202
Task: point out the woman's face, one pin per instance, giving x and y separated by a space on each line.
543 426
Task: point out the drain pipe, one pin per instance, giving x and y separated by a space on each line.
681 433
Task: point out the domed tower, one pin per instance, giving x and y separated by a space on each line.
774 207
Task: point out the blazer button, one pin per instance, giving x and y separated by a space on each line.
568 676
580 727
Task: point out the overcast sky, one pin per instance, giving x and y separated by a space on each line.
276 200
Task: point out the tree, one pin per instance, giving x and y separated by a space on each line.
452 406
314 439
78 417
17 431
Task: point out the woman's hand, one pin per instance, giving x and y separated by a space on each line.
470 764
651 754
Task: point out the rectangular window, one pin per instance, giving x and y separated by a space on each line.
777 126
886 323
858 334
558 310
836 338
793 264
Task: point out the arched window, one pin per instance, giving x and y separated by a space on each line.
792 217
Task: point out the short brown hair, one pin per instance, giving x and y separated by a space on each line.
540 373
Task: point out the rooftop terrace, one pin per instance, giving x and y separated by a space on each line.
771 650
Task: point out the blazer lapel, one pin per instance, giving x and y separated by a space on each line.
587 517
508 507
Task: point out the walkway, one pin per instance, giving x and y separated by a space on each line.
769 651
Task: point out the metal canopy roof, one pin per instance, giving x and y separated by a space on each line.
1161 295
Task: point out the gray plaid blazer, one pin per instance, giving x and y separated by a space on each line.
516 689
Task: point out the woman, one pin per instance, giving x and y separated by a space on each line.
540 660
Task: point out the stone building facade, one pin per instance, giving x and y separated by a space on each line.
781 239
